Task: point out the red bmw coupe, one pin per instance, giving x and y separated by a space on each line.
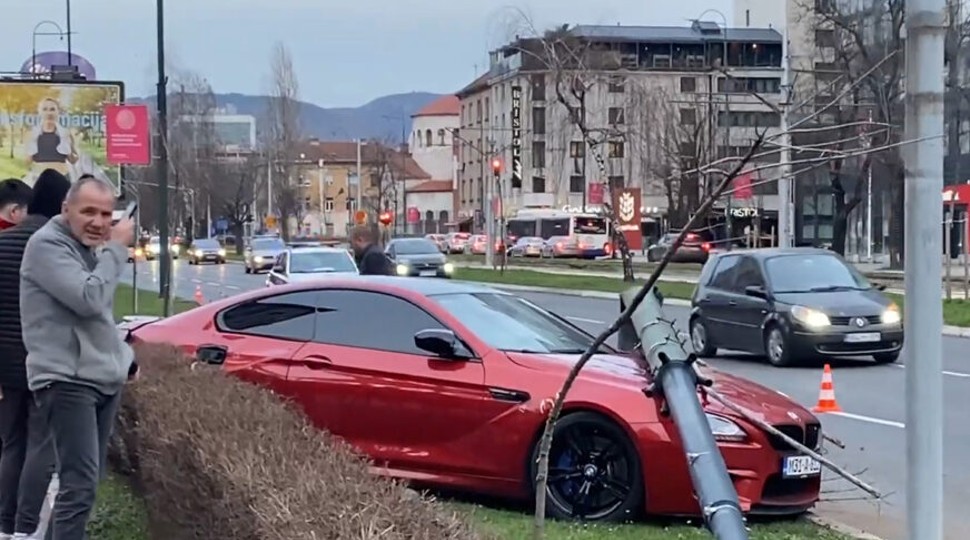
447 384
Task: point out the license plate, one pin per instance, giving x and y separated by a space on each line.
866 337
798 466
428 273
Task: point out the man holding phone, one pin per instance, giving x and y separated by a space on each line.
77 362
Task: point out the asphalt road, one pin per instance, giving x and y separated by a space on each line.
872 398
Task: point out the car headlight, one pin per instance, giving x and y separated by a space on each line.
258 259
176 249
153 248
811 318
449 268
403 270
725 430
198 253
222 253
138 252
891 315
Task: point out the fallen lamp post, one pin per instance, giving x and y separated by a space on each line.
676 381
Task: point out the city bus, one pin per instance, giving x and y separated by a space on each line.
589 232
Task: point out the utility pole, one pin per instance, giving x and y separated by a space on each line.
926 34
488 194
165 253
786 189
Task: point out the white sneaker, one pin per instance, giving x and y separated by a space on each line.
5 536
24 536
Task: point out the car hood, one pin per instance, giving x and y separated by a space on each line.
266 253
759 401
840 303
436 258
310 276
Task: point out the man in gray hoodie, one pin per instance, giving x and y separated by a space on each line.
77 362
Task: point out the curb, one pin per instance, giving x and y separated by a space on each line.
841 528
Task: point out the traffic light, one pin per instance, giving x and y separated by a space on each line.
385 218
497 167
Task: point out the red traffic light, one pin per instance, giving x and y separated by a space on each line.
497 166
385 218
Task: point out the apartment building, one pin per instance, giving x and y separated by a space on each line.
657 99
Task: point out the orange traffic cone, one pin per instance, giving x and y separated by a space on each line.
826 394
199 299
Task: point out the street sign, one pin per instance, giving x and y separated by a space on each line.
127 134
270 222
360 217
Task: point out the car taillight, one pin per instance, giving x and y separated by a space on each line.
558 245
706 246
608 248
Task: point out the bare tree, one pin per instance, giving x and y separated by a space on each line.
232 192
576 68
670 138
859 60
283 133
386 173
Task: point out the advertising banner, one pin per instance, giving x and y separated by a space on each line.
626 204
56 125
128 135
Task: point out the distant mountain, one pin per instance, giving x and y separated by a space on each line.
380 119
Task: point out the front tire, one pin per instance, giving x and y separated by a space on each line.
594 471
700 339
777 347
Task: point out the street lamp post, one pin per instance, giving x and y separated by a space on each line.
33 41
165 254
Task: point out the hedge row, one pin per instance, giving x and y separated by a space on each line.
215 457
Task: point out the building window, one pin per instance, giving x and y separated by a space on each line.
577 184
747 85
328 205
538 84
538 120
616 181
616 116
538 184
762 119
825 38
538 154
616 149
577 149
688 84
441 137
427 138
617 85
688 117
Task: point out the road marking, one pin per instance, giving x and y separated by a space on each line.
949 373
232 287
214 284
869 419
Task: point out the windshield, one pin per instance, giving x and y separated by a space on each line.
321 261
207 244
268 244
510 323
418 246
812 273
589 225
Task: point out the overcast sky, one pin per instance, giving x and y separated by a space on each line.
346 52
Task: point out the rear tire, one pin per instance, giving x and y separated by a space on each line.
886 358
591 451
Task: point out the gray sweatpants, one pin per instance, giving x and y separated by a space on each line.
81 420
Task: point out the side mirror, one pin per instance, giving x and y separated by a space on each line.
443 343
211 354
880 287
756 291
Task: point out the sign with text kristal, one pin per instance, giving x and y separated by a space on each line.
626 205
56 125
516 117
128 134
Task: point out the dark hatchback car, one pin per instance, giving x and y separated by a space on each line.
418 257
791 305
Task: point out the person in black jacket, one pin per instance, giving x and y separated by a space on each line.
371 259
27 460
15 195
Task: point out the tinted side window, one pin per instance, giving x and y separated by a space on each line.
370 321
287 316
724 273
748 274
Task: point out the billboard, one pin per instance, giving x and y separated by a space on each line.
626 204
56 125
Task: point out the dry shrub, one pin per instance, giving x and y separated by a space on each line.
216 457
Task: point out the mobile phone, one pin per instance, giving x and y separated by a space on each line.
131 209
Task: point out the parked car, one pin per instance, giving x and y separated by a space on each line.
694 249
206 250
439 240
261 253
456 241
527 246
449 382
306 263
792 304
418 257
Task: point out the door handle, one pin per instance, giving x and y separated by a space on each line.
732 303
316 361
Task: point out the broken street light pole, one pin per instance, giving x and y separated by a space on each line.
676 381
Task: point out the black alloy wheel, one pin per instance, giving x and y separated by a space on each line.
594 471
